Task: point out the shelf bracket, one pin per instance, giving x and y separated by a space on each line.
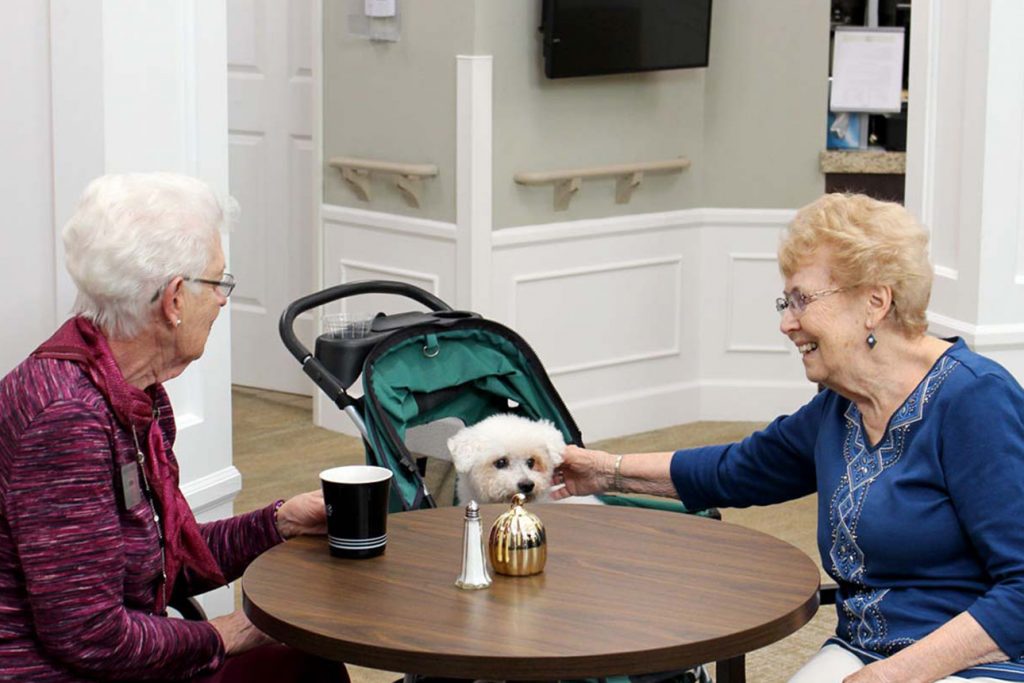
564 192
411 187
625 185
359 180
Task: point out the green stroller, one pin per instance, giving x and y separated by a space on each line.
426 374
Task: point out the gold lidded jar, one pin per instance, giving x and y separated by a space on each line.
517 544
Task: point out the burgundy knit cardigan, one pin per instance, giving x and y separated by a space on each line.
78 571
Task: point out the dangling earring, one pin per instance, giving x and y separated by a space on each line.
871 340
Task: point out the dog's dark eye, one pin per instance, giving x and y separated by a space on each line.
531 462
501 463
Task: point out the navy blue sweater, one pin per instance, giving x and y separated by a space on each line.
916 529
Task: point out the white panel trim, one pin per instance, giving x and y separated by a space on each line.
922 136
474 120
215 489
748 218
405 225
674 350
730 346
432 278
638 223
318 210
978 337
947 273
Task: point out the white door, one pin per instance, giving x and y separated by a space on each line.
270 83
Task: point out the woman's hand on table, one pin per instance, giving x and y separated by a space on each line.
303 514
238 633
584 472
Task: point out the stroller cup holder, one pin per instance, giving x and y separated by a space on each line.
343 357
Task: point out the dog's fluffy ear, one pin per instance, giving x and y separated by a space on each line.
553 443
465 447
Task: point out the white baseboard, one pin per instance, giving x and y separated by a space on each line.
755 401
638 412
635 412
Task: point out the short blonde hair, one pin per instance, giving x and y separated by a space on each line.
870 243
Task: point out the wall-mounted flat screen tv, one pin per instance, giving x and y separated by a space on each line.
593 37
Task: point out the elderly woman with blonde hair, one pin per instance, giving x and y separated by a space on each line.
96 538
915 448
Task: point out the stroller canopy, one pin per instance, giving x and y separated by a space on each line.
466 369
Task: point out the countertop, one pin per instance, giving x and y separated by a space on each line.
867 161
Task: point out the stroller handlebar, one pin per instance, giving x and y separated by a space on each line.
310 365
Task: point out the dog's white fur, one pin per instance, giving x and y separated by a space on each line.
506 454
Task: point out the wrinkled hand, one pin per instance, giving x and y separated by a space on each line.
303 514
238 633
584 472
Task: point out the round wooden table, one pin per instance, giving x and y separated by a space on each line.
625 591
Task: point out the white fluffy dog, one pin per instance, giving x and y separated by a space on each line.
506 454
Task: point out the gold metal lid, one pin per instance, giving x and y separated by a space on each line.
517 544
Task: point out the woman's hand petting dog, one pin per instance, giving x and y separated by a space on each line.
584 472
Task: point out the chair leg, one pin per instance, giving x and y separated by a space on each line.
731 670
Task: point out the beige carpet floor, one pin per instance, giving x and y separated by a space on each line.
279 454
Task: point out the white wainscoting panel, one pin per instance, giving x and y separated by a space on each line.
641 328
642 321
753 327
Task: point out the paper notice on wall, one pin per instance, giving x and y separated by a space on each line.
380 8
867 69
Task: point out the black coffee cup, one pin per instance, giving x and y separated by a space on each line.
356 498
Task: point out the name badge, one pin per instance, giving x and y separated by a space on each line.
130 486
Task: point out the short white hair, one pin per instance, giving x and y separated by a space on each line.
129 236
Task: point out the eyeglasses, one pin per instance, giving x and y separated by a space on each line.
224 286
796 301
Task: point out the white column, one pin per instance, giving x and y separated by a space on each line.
965 168
473 214
141 86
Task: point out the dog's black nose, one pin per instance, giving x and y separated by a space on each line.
525 486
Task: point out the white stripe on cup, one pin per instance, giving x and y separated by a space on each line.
357 543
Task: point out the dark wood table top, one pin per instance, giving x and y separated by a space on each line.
625 591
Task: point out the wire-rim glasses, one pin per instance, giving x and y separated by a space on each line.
224 286
796 301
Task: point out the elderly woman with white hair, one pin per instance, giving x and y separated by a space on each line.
915 448
95 536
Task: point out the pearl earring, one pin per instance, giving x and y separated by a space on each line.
177 323
871 339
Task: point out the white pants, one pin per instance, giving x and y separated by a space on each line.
832 664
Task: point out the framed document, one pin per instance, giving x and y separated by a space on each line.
867 69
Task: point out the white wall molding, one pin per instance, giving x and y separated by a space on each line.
432 280
391 222
965 168
473 188
213 490
978 337
639 223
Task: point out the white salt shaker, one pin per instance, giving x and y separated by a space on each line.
474 564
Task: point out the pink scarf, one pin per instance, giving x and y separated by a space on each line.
80 341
